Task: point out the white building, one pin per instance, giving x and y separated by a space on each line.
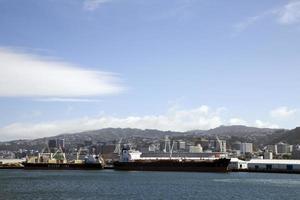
246 148
274 165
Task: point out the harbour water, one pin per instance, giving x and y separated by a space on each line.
109 184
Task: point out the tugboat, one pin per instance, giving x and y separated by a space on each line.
58 161
131 160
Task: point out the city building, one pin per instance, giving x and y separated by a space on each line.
284 148
246 148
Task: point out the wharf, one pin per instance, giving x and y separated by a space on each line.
266 171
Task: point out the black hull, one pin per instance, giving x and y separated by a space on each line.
62 166
219 165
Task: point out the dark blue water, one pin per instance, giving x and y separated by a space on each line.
109 184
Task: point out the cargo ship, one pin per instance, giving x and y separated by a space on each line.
131 160
58 161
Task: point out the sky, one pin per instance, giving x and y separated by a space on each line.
74 65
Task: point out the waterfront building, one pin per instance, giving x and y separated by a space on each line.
274 165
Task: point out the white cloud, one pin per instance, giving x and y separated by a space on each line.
175 119
25 75
261 124
93 4
290 13
282 112
237 121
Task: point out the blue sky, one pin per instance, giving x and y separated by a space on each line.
70 65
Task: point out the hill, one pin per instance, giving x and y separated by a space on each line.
290 137
239 131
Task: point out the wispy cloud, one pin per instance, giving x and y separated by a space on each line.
93 4
243 25
26 75
81 100
176 119
290 13
286 15
282 112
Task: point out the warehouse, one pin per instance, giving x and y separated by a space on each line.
274 165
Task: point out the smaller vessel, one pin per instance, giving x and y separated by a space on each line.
58 161
132 160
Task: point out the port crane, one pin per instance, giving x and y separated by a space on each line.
118 147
